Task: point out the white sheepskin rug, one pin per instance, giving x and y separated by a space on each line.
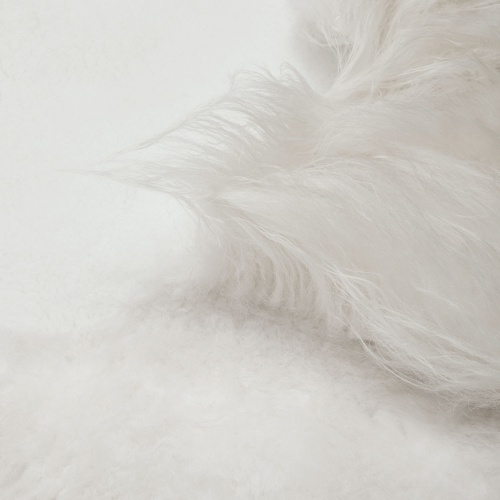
322 320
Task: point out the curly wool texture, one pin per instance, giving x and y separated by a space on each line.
372 207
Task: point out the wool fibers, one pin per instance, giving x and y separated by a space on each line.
369 205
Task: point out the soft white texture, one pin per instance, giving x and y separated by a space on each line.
372 207
108 390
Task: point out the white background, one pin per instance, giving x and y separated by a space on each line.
79 81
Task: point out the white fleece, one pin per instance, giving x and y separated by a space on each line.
111 390
372 207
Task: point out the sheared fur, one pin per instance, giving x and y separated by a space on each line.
372 207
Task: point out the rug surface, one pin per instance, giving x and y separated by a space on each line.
114 387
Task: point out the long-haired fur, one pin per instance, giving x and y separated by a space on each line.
372 206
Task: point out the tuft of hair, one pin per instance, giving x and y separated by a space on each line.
373 207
